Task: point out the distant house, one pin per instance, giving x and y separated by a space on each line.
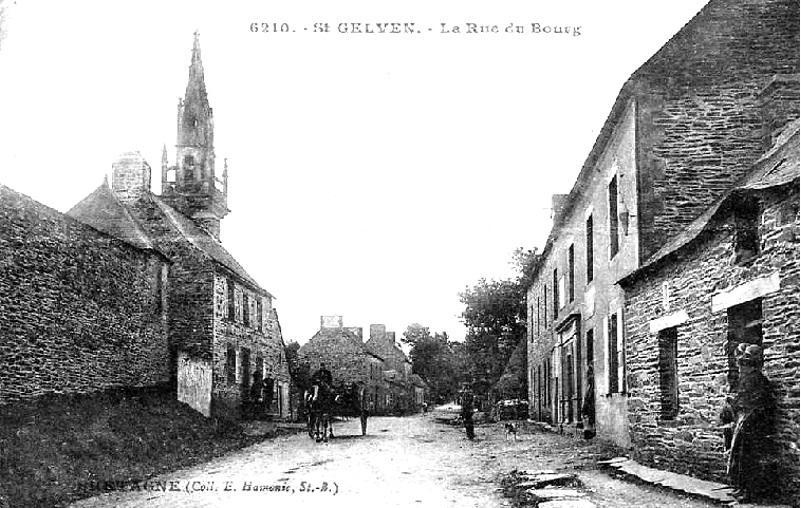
344 353
398 369
221 323
731 277
684 129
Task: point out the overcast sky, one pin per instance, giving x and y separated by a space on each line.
373 176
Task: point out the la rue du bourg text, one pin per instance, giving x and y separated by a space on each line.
465 28
415 28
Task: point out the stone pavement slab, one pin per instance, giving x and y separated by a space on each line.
567 503
543 480
555 493
717 492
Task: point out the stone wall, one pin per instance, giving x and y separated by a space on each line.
261 339
690 283
191 312
81 311
700 121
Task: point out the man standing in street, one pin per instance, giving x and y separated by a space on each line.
467 411
364 405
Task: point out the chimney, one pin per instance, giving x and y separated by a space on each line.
778 102
329 322
130 177
558 202
378 332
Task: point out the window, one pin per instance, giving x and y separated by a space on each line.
613 228
539 390
245 369
231 301
589 250
158 297
568 388
668 373
590 348
545 302
746 232
259 315
612 348
259 365
745 327
571 274
579 368
555 294
548 381
245 309
230 363
189 167
538 316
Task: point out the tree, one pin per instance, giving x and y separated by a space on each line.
495 317
433 359
415 332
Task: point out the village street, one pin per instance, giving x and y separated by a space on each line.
408 461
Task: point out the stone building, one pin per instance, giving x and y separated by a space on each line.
684 128
732 276
397 369
344 353
221 323
82 310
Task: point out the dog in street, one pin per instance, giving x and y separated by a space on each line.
511 430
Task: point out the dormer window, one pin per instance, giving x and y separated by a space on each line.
746 231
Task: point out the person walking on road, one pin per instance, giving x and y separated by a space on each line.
364 405
254 404
467 401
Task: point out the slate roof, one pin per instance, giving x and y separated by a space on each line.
386 347
347 335
203 241
105 212
777 167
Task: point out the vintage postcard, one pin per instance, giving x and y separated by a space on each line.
399 253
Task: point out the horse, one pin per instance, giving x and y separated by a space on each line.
319 401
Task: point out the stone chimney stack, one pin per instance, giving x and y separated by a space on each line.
329 322
378 332
130 177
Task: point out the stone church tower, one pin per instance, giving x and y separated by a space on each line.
191 186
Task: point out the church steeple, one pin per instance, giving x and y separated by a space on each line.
196 191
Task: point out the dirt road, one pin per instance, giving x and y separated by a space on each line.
402 462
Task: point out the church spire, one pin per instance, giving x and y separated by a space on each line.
196 192
196 86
